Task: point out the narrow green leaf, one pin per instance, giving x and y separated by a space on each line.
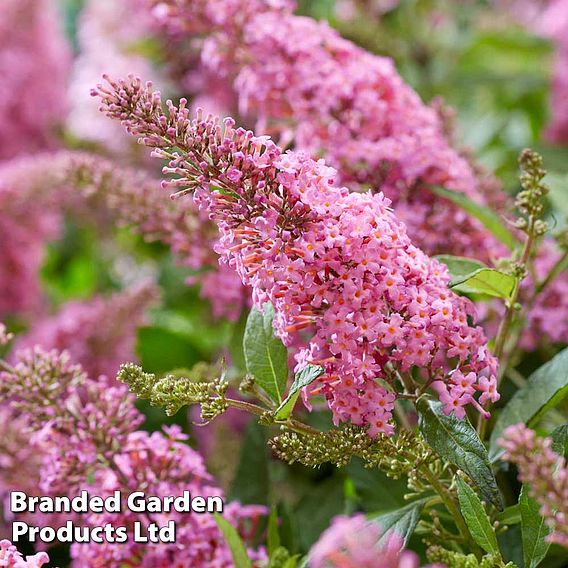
457 441
302 379
476 518
402 521
459 266
265 355
560 440
485 281
534 530
545 389
273 540
234 542
490 220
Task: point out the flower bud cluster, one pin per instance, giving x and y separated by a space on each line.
398 455
173 392
544 472
530 201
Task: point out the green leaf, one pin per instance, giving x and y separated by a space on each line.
457 441
560 440
234 542
265 355
273 540
510 516
490 220
545 389
402 521
485 281
534 530
460 266
476 518
302 379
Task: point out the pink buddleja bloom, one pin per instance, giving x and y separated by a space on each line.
86 433
544 472
11 558
99 333
548 315
34 58
169 467
554 23
20 462
347 285
356 542
304 82
28 218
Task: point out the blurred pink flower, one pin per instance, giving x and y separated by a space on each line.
34 62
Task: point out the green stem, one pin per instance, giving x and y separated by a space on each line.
506 322
246 406
401 416
6 366
291 423
299 427
452 507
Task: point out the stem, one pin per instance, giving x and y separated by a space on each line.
506 322
401 416
453 509
300 427
246 406
6 366
503 332
291 423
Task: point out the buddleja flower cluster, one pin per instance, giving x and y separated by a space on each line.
355 541
550 19
99 334
34 59
87 434
10 557
336 265
545 473
304 83
301 81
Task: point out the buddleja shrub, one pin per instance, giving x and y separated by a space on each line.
387 289
375 327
